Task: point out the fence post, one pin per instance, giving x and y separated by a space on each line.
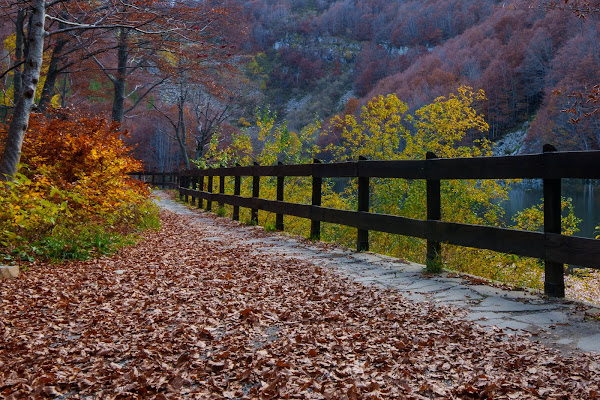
186 185
280 186
237 184
201 189
255 194
315 225
554 281
164 177
434 213
362 239
194 180
181 180
209 189
152 179
221 189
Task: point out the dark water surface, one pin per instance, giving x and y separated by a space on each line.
585 195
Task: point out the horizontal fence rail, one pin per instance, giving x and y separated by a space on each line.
551 166
163 180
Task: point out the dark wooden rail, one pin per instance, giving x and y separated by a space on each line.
163 180
551 166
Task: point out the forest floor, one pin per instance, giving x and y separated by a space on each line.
185 314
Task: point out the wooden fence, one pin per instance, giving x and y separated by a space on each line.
163 180
551 166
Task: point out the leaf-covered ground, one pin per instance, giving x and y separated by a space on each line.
584 286
179 317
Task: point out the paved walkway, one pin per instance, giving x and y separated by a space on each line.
562 324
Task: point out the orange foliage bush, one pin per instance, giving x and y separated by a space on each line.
73 190
85 156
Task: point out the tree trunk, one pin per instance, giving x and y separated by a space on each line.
201 143
31 76
49 88
182 135
18 75
199 154
118 109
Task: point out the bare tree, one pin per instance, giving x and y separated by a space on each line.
210 114
181 93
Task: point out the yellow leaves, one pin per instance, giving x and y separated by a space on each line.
239 151
384 127
169 57
55 101
10 43
265 124
442 125
375 134
244 122
532 219
26 208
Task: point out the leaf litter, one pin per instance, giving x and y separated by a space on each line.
181 317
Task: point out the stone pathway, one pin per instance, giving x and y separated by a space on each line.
562 324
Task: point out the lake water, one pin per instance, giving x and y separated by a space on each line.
585 195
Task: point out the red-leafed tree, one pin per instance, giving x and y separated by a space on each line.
585 101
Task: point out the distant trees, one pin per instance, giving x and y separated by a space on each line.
521 53
521 58
372 64
585 100
581 8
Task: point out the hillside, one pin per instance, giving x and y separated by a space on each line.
314 55
307 60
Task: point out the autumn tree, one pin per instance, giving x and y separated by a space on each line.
210 113
131 48
73 198
585 101
140 34
581 8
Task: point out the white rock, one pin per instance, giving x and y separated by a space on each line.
9 271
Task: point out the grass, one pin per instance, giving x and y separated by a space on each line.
82 241
435 265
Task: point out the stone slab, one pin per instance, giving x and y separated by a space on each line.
457 294
498 304
368 257
543 318
9 271
429 286
504 324
589 343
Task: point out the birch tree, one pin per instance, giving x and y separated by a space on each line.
25 101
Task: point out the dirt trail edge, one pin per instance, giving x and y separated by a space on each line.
207 308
